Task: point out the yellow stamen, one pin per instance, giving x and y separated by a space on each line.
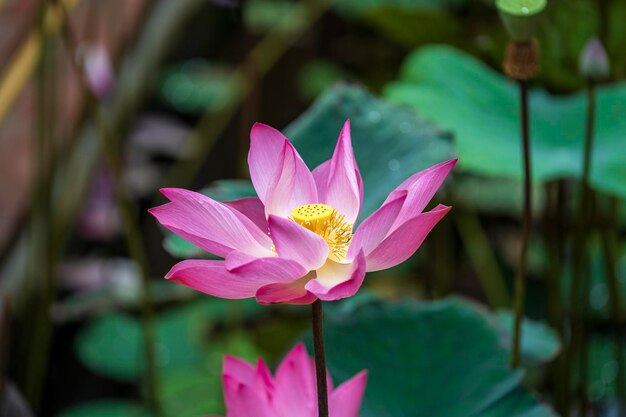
329 224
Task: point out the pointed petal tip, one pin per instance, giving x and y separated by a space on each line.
442 207
172 273
449 164
228 359
361 377
259 128
258 125
170 192
299 347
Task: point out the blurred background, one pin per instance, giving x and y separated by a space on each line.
104 102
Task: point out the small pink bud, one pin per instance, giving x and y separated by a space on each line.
99 70
593 61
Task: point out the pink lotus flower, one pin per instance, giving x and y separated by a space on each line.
295 243
252 391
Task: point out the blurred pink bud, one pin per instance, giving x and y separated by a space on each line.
99 69
593 62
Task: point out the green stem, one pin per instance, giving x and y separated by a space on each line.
555 238
320 358
520 278
579 277
137 253
43 261
583 360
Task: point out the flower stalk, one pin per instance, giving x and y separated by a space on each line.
320 358
41 269
594 66
521 19
580 276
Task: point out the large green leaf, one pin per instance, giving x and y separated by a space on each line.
436 359
481 107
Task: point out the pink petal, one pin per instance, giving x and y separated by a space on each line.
238 369
404 240
266 147
279 175
279 269
212 277
295 242
235 259
421 188
296 394
293 186
209 224
320 175
243 372
345 401
263 376
252 208
286 293
344 189
376 227
244 400
337 280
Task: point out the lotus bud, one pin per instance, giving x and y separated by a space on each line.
99 70
593 61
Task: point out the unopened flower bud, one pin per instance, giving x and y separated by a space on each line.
521 18
593 61
99 70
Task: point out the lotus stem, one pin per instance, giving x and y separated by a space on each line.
320 358
581 234
42 254
555 238
520 278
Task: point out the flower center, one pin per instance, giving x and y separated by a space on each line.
325 221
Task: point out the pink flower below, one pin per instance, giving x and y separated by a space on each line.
252 391
295 242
